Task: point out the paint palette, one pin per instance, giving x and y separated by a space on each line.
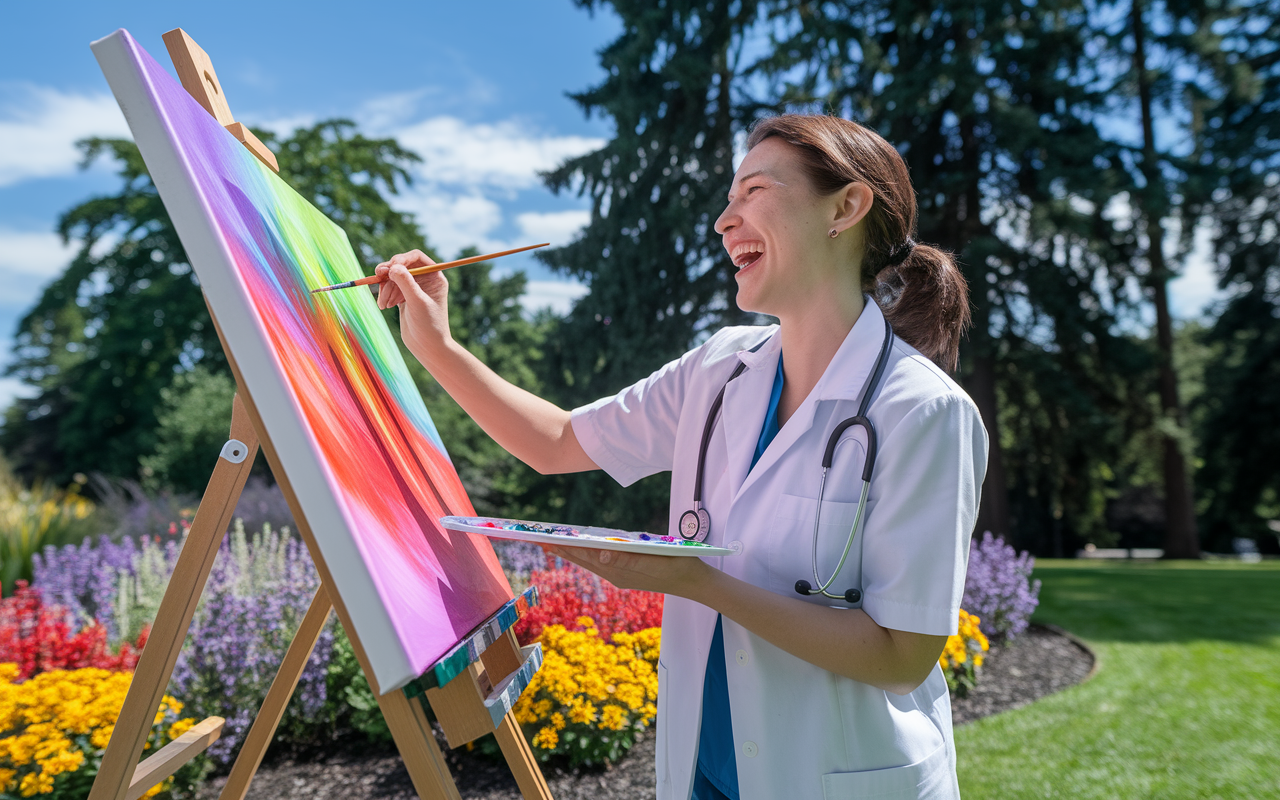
589 536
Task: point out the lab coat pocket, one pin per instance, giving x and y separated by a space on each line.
791 556
927 779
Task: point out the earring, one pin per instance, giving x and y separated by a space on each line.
833 233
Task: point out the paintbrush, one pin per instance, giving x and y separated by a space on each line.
428 269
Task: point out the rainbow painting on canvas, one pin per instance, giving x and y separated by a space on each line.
358 448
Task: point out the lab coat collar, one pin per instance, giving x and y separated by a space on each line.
852 364
764 353
746 398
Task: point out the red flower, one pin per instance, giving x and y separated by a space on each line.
572 592
38 638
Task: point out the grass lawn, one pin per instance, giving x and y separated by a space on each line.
1186 703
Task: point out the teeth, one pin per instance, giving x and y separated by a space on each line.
740 251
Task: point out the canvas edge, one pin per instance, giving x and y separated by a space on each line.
196 228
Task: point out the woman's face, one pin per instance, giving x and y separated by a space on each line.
775 231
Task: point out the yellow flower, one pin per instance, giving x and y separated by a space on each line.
180 727
546 738
55 722
613 718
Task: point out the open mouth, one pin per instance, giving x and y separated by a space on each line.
746 254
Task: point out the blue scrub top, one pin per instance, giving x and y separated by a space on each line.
717 761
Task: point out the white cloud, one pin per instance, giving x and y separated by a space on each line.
503 156
40 126
555 295
453 219
33 254
473 174
557 227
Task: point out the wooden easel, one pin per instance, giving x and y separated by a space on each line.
472 688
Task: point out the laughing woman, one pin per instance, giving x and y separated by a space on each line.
777 678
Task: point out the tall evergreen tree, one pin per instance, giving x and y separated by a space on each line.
994 108
658 276
1233 187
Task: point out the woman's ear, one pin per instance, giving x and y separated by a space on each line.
852 204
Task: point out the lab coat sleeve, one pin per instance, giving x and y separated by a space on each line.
632 434
929 470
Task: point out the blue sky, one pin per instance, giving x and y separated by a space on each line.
477 89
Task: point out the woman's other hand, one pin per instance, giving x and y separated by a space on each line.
423 301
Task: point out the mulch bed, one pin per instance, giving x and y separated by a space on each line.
1041 662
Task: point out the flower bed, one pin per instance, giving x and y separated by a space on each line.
55 727
590 698
257 593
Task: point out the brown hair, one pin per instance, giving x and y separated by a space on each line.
919 287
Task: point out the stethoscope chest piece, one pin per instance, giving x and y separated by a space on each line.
695 524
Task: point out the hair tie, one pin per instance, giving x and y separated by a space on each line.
899 254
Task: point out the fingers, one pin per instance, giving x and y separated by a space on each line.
389 293
411 259
405 284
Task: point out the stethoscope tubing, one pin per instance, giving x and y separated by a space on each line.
698 520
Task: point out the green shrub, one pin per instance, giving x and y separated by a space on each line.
193 423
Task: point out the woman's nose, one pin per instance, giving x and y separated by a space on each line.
726 222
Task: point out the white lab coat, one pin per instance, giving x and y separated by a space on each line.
800 731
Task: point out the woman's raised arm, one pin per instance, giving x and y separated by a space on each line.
535 431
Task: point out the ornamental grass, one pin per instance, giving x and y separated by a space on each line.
31 519
55 727
591 698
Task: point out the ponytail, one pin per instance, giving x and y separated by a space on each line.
926 300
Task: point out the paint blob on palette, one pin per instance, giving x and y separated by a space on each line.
577 536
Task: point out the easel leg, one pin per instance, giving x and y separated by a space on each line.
181 596
273 706
417 745
533 786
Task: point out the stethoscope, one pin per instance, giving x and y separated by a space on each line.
695 524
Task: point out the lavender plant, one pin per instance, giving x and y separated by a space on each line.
84 579
999 589
257 594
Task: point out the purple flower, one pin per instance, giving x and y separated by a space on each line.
519 559
998 588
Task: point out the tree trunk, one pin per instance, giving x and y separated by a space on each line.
1181 537
993 513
